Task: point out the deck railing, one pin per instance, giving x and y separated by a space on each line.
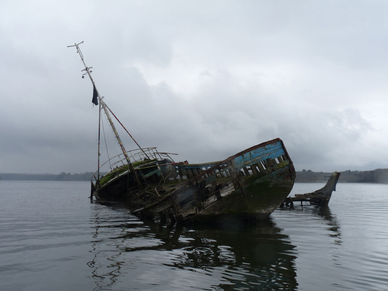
135 155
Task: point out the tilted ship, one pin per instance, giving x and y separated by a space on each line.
152 184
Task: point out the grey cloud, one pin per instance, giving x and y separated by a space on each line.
303 71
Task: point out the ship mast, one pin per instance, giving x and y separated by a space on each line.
102 105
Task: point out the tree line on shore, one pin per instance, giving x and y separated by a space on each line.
373 176
48 177
304 176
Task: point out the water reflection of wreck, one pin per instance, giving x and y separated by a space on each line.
323 213
259 256
331 220
106 261
244 256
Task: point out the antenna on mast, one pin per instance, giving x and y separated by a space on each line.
87 70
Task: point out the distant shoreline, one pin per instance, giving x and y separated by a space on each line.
379 176
305 176
47 177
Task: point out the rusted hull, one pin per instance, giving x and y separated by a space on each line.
259 196
255 197
253 182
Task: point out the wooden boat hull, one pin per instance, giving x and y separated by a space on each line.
253 182
260 196
320 197
255 197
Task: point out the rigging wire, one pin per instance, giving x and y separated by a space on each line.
106 145
126 130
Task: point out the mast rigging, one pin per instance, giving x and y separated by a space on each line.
102 105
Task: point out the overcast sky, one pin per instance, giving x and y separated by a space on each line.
204 79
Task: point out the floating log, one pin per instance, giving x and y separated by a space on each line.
320 197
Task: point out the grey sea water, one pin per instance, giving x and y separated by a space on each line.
52 238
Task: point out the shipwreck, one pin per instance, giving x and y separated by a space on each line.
152 184
320 197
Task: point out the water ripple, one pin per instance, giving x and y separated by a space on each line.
50 233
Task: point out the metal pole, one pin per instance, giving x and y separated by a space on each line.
103 106
122 125
99 141
131 168
88 71
115 131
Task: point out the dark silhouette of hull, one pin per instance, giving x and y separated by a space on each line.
252 182
320 197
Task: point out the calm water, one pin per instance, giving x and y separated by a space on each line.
52 238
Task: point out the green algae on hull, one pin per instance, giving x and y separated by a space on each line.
119 170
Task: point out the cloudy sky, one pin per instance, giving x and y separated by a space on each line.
204 79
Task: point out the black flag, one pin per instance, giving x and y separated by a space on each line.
95 95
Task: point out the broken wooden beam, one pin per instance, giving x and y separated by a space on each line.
320 197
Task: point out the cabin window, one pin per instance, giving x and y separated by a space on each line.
246 171
253 167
